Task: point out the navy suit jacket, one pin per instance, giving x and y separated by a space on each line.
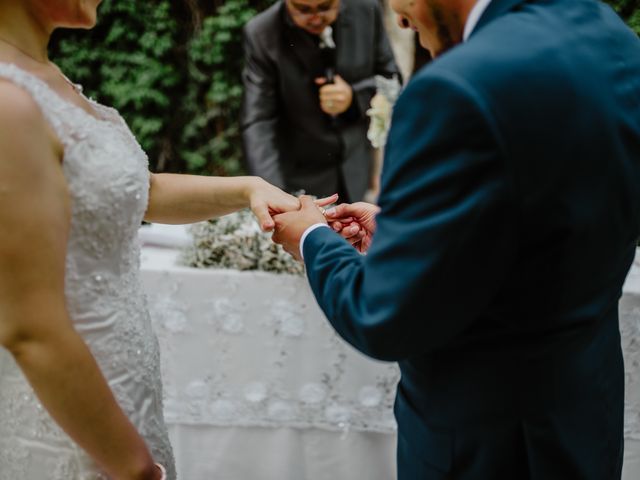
510 211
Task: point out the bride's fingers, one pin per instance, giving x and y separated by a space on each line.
261 211
321 202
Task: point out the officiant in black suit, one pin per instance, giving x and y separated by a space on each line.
306 91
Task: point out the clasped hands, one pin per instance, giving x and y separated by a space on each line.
288 216
354 221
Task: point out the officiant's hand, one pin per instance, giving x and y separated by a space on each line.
290 226
335 98
356 222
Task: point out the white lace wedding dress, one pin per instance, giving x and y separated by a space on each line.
108 180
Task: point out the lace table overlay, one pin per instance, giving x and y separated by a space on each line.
630 332
254 349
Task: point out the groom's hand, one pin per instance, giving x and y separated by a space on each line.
290 226
356 222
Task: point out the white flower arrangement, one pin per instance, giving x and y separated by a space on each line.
387 91
235 241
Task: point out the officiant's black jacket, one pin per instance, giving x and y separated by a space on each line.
287 139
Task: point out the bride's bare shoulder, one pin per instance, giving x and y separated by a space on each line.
17 104
21 119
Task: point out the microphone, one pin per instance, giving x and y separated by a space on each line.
328 51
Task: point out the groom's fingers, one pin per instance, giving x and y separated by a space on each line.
351 230
339 211
336 226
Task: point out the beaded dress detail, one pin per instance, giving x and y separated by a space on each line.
108 181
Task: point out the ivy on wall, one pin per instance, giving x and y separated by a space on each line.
212 104
128 61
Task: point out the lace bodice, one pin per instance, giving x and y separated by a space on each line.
108 181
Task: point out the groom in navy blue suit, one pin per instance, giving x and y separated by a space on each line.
509 217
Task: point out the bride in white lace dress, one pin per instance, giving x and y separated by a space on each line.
74 188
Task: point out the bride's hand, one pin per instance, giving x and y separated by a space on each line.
266 200
323 202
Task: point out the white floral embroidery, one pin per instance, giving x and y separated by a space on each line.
286 366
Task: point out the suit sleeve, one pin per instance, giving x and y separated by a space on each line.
259 113
384 61
445 238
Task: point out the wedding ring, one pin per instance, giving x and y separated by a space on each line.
163 471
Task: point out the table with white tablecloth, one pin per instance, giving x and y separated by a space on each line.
257 384
259 387
630 333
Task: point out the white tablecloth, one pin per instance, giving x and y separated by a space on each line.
630 330
259 387
257 384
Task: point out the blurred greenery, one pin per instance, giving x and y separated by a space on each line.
172 69
629 10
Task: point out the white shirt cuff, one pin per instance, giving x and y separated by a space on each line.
307 232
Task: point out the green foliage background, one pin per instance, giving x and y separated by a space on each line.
172 69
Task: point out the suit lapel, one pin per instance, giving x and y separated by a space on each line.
495 9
